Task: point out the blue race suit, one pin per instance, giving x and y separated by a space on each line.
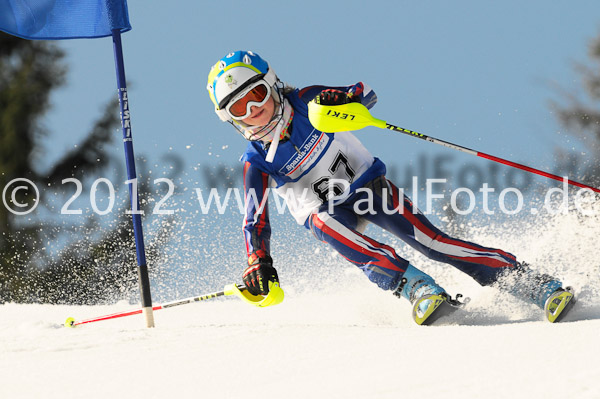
311 168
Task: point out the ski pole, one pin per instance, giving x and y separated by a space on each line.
355 116
274 297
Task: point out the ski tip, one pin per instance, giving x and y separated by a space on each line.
70 322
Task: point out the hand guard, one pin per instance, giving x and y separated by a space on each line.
258 274
335 97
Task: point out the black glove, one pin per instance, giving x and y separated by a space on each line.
335 97
259 272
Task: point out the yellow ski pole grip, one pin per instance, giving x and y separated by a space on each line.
274 297
341 118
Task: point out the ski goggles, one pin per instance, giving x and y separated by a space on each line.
256 94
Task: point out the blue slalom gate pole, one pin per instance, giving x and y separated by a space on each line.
144 281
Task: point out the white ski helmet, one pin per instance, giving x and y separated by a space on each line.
234 72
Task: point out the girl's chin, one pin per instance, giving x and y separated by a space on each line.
263 122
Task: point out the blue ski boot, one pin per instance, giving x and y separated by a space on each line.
542 290
430 301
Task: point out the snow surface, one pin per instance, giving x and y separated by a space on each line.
342 338
332 346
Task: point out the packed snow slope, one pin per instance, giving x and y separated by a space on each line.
334 336
344 345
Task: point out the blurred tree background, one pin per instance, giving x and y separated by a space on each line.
578 112
43 258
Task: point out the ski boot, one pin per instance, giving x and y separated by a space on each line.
430 301
542 290
559 304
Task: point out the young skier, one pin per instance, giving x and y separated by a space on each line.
311 169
